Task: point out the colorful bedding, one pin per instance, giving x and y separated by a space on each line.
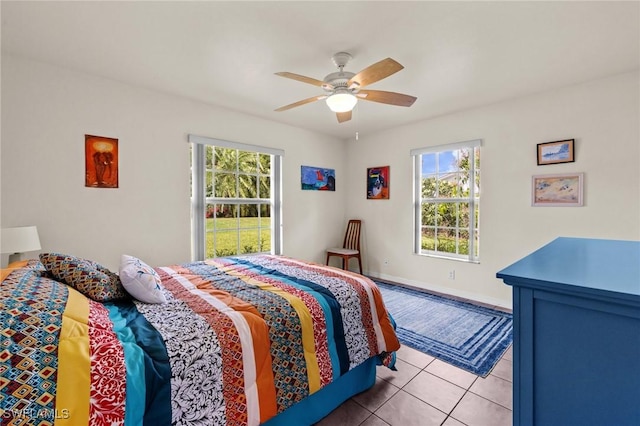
239 341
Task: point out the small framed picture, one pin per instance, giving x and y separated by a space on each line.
555 152
317 178
562 190
101 162
378 183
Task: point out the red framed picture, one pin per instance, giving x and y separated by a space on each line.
101 162
378 183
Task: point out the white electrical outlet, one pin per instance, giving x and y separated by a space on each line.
452 274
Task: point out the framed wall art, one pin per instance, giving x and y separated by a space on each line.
317 178
101 162
555 152
561 190
378 183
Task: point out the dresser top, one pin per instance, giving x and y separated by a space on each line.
581 265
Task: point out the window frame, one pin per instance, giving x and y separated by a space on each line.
199 199
473 200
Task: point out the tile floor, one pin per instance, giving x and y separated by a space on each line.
426 391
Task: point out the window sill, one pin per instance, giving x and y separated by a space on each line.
441 256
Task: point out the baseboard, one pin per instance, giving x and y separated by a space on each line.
489 301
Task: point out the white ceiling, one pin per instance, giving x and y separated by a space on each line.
456 55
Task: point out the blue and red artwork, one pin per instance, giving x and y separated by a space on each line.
318 178
378 183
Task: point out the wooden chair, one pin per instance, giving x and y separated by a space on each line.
350 247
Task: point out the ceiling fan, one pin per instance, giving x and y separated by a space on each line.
345 88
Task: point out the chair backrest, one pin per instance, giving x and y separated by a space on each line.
352 236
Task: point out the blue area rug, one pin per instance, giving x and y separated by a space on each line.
468 336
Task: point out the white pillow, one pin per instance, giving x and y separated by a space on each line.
140 280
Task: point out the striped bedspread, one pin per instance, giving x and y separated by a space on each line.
240 340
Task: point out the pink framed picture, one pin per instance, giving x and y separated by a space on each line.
561 190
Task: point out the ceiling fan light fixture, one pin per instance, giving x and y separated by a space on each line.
342 102
343 88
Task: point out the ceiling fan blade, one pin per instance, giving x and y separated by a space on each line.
376 72
300 103
391 98
301 78
343 116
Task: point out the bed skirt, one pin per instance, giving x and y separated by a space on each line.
320 404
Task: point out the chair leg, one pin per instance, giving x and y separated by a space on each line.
345 262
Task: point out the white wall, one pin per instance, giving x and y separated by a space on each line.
602 116
46 111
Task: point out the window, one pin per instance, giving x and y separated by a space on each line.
235 198
447 200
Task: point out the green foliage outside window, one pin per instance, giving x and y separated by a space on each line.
235 226
445 210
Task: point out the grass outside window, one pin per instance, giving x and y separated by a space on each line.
233 236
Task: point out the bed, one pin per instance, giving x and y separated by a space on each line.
244 340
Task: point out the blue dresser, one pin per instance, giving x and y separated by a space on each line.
576 351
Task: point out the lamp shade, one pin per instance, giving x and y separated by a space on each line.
19 240
341 102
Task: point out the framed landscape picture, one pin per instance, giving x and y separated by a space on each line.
562 190
378 183
555 152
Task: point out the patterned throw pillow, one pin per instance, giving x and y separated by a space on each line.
141 280
88 277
